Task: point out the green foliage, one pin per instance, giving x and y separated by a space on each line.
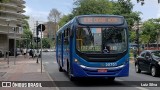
46 43
150 31
27 35
85 7
132 36
65 19
120 7
4 1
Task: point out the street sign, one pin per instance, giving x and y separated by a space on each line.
40 26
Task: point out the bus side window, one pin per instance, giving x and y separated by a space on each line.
59 39
66 36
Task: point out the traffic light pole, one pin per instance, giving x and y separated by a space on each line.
137 36
37 40
41 49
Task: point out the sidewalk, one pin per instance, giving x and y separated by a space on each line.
25 69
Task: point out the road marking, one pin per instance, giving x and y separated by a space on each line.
51 79
46 62
142 88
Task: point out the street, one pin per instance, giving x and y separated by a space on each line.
63 83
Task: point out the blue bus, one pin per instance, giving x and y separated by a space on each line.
93 46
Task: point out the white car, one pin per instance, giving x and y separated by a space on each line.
37 53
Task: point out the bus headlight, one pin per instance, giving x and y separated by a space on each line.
76 61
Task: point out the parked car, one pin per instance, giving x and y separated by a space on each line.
37 53
18 52
148 60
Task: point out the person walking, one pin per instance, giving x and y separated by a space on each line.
31 53
24 52
134 53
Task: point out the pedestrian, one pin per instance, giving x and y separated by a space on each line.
24 52
31 53
134 53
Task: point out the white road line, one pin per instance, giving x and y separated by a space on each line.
46 62
52 80
141 88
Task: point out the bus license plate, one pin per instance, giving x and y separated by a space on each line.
102 70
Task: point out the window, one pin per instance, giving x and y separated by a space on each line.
66 36
59 39
148 54
143 54
97 40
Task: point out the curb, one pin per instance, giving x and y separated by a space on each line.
50 78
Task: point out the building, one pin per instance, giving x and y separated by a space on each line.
50 31
11 18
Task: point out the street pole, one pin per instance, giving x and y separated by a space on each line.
14 29
41 49
8 21
138 36
37 40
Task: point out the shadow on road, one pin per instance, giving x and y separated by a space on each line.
89 82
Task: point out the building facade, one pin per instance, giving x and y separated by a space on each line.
50 31
11 18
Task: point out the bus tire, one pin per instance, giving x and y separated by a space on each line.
59 67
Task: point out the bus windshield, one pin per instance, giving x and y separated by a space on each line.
101 40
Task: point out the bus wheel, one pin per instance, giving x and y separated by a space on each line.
60 69
111 79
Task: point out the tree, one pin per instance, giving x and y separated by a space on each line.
120 7
54 15
4 1
149 31
65 19
27 34
85 7
46 43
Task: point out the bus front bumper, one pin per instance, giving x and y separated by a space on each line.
84 71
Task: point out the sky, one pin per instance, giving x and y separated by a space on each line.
39 9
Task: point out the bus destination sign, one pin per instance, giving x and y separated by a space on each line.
101 20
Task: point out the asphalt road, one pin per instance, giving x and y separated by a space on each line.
63 83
